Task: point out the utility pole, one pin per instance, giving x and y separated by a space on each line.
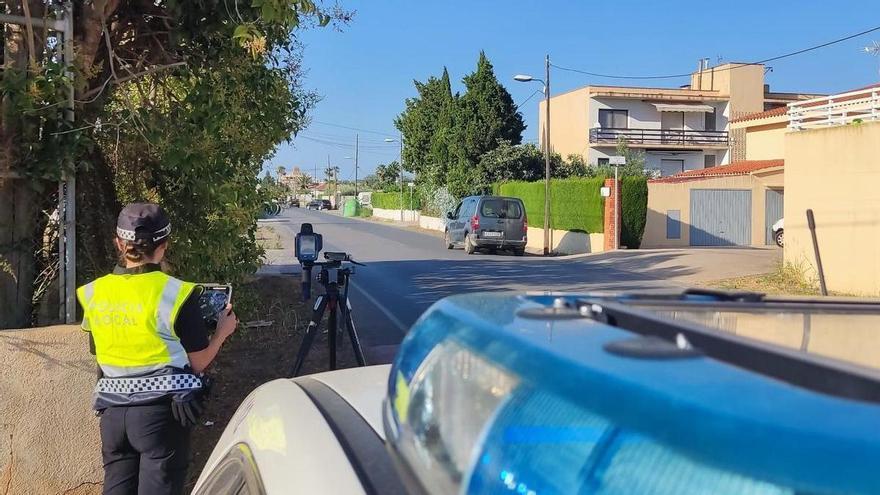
400 164
547 157
356 140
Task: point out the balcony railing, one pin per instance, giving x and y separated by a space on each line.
678 137
835 110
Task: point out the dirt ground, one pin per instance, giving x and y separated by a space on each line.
259 354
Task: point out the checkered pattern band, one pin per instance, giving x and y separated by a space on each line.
164 383
129 235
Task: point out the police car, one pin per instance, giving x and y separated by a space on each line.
689 393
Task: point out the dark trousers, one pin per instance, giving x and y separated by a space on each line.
145 450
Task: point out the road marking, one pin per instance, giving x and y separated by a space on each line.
388 314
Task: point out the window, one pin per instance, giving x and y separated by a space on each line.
501 208
673 224
671 167
710 121
708 161
602 161
614 119
457 211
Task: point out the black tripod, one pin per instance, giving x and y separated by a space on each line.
336 302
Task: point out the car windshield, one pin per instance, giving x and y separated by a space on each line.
501 208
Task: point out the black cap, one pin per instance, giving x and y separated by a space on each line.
143 221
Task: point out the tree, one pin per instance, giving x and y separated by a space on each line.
178 102
427 125
635 162
387 176
303 183
486 113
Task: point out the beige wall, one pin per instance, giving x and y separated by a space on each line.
744 85
676 196
836 172
570 130
766 142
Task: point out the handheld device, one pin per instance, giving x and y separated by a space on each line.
213 301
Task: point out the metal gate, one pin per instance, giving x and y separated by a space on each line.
772 212
721 217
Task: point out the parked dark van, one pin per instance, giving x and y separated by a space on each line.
488 223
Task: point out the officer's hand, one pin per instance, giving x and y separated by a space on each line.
227 322
186 411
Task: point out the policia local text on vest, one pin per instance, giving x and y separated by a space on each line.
151 345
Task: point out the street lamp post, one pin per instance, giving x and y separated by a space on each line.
546 83
399 162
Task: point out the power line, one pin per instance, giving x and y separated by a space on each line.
353 128
527 99
734 66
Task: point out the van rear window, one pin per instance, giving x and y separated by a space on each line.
501 208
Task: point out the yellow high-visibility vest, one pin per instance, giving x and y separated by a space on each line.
131 318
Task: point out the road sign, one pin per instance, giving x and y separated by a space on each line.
605 192
617 160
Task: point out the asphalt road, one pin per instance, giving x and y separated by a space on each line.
408 270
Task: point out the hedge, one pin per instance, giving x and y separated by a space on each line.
575 204
634 197
391 200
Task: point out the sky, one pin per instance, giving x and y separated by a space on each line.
364 71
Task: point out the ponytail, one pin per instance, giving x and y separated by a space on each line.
135 251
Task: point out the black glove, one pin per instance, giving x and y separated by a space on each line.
186 408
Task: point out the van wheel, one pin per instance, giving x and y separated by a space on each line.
779 237
447 239
469 247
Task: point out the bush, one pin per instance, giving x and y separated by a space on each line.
364 211
391 200
438 202
575 204
634 198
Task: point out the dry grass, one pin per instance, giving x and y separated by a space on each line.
786 279
267 238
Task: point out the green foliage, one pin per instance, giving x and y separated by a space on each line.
387 177
486 113
35 102
437 202
634 201
446 135
197 148
508 162
427 126
391 200
575 204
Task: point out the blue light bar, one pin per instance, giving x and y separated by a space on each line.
498 402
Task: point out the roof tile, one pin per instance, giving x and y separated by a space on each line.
744 167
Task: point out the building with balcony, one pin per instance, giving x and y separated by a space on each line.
679 129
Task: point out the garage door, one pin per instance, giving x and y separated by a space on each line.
721 217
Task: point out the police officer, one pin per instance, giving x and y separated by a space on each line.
151 345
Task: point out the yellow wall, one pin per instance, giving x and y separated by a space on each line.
766 142
570 129
744 85
836 172
676 196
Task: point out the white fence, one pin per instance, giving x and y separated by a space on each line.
835 110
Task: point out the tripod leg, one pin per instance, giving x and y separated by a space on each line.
311 331
331 333
352 333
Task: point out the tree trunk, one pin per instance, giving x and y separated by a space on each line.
18 228
18 208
